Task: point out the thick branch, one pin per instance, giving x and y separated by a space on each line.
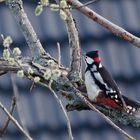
22 20
75 56
67 89
105 23
92 107
63 85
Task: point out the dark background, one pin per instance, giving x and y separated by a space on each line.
41 112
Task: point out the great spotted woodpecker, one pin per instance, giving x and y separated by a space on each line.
102 88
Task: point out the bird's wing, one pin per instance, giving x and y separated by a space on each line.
107 78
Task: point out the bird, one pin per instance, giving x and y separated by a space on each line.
102 88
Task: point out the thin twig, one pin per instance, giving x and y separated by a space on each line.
106 23
15 122
86 4
74 43
63 109
2 36
32 86
65 113
59 54
13 105
73 7
19 105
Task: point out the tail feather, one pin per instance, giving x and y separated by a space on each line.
130 102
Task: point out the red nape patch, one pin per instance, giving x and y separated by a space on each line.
107 101
97 59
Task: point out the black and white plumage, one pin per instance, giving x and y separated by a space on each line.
101 87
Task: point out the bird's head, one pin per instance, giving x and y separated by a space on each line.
92 57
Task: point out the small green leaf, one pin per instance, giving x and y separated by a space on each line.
55 74
63 15
47 74
51 63
63 4
11 61
7 41
16 51
6 54
38 10
20 73
44 2
54 7
30 71
36 79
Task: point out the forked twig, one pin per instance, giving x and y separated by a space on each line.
63 109
15 122
19 106
13 105
65 113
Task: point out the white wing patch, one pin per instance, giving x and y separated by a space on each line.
131 110
116 96
92 88
100 79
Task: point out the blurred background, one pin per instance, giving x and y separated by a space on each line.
40 110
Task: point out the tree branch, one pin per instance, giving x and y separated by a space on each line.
5 66
74 43
13 105
65 113
72 37
92 107
19 105
16 7
105 23
15 122
64 86
75 97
